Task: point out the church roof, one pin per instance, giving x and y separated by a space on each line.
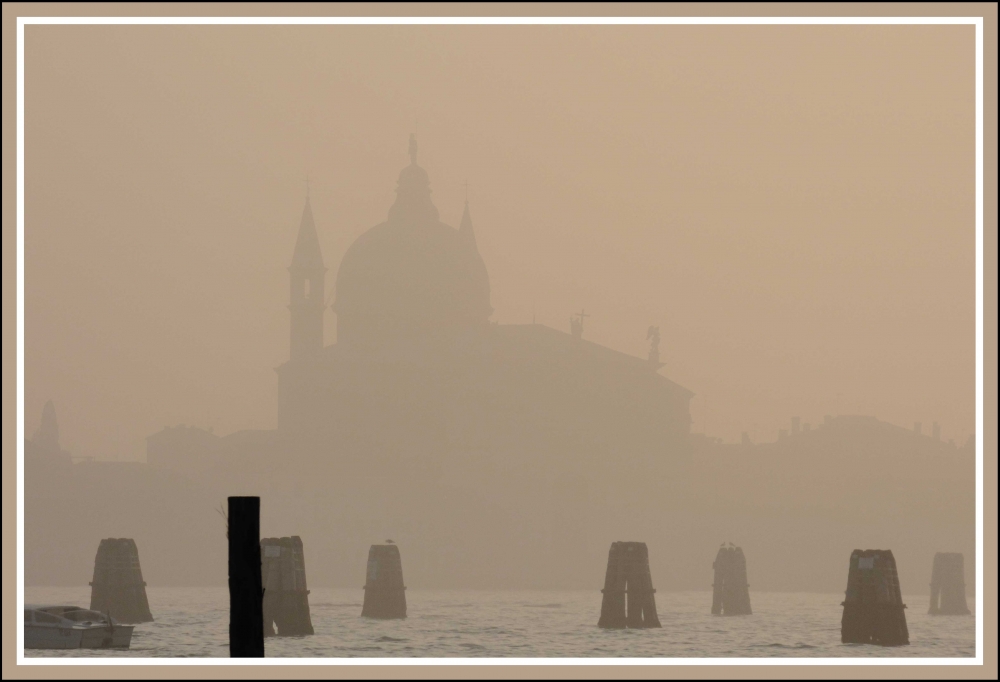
537 346
546 344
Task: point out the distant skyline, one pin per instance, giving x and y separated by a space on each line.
792 206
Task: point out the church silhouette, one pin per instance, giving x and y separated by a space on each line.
419 373
496 455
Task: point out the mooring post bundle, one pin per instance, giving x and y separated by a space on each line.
118 588
246 617
628 600
948 585
385 594
286 599
873 607
730 591
738 603
719 582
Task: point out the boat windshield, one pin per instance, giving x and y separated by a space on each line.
85 615
57 610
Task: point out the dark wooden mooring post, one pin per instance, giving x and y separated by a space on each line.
948 585
385 594
730 591
628 588
118 588
613 601
738 602
873 607
286 599
246 617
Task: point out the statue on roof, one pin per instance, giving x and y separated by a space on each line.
653 336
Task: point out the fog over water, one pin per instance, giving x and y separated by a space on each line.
792 206
527 624
504 295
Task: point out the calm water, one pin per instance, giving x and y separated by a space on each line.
454 623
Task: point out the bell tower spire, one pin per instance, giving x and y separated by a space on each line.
465 233
306 283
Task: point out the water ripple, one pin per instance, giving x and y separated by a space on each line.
194 622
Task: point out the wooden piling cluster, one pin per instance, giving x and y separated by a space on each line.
873 607
246 615
385 594
118 588
286 599
628 588
948 585
730 591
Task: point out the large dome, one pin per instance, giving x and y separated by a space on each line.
411 275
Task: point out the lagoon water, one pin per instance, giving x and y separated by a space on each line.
194 622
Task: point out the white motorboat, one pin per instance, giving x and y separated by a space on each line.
73 627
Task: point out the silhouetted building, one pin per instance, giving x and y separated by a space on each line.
502 445
418 369
306 284
43 448
182 448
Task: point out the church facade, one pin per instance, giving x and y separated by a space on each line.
418 371
419 377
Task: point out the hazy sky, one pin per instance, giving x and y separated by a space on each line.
792 206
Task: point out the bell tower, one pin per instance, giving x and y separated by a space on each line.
306 278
